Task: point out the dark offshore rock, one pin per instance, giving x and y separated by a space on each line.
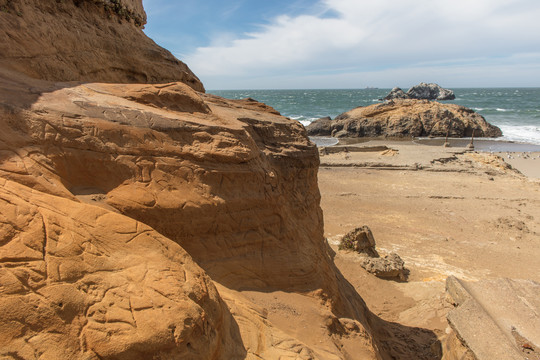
421 91
396 93
430 92
406 118
320 127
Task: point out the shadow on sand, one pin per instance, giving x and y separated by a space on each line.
397 341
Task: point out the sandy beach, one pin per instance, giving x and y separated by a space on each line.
445 211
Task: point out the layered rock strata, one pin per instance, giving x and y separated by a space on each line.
82 282
406 118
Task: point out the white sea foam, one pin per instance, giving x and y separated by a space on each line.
304 120
321 141
529 134
501 110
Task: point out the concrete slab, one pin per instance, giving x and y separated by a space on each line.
496 319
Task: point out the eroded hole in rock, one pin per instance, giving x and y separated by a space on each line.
91 195
89 176
90 179
87 191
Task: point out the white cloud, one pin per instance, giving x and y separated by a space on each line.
374 37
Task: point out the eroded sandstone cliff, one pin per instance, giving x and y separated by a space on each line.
136 218
103 182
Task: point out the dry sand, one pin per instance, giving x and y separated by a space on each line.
528 163
445 211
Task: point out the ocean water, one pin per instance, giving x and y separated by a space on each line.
515 110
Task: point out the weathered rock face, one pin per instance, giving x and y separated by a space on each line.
406 118
505 309
422 91
82 282
85 40
114 185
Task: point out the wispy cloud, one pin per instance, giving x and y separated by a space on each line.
233 7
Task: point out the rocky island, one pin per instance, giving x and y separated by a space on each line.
407 115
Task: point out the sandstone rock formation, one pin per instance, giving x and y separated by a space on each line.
108 193
137 216
85 40
406 118
82 282
421 91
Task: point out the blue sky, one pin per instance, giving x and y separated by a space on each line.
279 44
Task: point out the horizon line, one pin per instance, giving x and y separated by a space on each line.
373 88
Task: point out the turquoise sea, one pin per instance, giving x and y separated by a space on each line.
515 110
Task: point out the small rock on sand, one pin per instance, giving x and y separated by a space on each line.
390 266
361 240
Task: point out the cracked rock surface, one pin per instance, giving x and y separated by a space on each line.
126 206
